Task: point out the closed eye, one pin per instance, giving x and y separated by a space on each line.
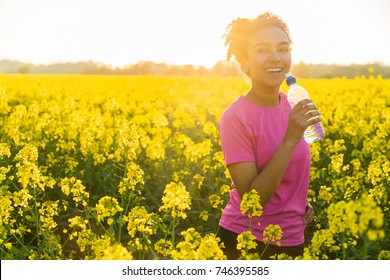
261 50
284 50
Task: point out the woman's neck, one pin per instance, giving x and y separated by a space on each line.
264 97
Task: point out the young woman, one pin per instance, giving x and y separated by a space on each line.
262 140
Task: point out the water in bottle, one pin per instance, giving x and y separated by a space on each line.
295 94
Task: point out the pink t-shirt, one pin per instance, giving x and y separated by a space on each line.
252 133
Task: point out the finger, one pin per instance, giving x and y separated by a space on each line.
309 214
307 108
301 104
308 218
312 114
307 119
313 120
311 217
310 107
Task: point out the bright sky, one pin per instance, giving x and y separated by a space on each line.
120 32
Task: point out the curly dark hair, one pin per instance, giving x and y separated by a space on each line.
240 31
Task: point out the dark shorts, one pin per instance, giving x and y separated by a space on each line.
230 240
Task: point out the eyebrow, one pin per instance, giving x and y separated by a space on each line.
267 44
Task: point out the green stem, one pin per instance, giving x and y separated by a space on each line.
365 248
342 247
265 248
36 220
173 231
250 224
120 225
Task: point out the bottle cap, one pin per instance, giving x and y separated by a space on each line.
290 79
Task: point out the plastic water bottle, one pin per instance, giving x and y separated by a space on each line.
295 94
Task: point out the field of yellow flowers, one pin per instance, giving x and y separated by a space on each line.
130 167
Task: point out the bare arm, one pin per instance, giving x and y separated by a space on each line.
244 174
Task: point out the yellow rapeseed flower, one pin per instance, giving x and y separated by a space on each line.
3 173
337 163
246 241
134 177
325 194
210 248
104 249
156 150
250 204
4 150
195 247
322 240
76 188
164 247
215 200
6 208
139 220
204 215
176 199
107 207
209 128
47 211
224 189
272 233
199 180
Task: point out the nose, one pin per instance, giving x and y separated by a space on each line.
274 55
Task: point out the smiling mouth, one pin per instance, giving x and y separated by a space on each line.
274 70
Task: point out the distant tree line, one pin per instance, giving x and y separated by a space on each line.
221 68
303 70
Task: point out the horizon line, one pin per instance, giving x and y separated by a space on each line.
175 64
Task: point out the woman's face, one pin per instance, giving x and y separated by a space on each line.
269 57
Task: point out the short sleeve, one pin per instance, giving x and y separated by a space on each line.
236 140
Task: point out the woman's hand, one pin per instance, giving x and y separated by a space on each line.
302 116
309 214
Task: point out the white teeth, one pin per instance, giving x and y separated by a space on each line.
273 70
